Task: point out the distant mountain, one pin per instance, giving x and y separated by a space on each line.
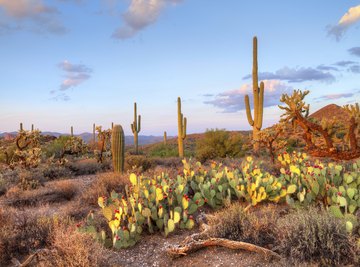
129 139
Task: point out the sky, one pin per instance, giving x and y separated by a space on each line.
77 62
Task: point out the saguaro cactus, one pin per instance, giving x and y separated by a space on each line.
181 129
258 93
135 127
94 136
21 126
118 148
165 138
32 127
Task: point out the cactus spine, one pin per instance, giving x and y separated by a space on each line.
258 93
118 148
181 129
72 131
135 127
165 138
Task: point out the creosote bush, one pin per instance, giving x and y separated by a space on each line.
315 236
219 144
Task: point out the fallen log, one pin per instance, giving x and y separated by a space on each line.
194 245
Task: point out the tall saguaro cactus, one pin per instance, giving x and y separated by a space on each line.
258 93
165 138
181 129
94 136
21 127
118 148
135 127
72 131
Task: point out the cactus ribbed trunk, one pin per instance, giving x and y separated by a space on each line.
165 138
118 148
21 126
32 127
181 129
258 93
72 131
112 125
135 128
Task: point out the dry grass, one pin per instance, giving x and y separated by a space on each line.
56 191
102 186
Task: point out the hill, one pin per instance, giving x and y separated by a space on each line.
329 112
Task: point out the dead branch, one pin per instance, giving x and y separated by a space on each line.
193 245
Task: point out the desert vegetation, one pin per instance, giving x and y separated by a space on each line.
288 194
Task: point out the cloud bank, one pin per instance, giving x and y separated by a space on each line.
351 17
233 101
35 14
140 14
295 75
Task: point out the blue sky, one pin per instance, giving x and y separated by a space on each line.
79 62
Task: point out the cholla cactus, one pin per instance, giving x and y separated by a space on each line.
296 111
28 152
104 144
270 139
73 146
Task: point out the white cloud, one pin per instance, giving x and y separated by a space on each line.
351 17
233 101
140 14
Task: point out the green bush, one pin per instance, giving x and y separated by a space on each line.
219 143
164 151
56 147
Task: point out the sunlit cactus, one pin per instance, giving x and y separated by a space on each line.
118 148
258 93
165 138
135 128
72 131
181 129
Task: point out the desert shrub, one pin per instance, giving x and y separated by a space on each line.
70 248
172 162
315 236
21 232
29 180
84 167
138 162
218 144
235 224
56 147
164 151
52 192
103 185
54 171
